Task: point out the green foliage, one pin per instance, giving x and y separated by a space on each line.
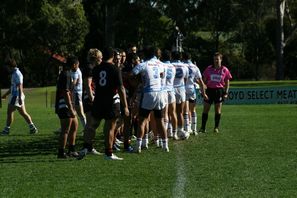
62 27
244 31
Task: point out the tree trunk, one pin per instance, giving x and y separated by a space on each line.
280 10
109 32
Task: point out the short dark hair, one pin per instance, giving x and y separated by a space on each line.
71 61
186 56
10 61
107 53
176 55
166 55
149 51
218 54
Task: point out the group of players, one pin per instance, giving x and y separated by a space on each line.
149 91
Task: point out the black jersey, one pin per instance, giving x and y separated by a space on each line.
87 72
107 78
63 84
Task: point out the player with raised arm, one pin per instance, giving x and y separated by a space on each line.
151 71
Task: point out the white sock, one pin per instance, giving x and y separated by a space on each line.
145 140
139 143
166 124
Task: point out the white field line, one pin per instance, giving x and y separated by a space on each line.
180 184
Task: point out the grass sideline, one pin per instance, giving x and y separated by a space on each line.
254 156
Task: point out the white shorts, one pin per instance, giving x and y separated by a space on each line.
171 97
152 101
77 99
190 94
180 95
165 96
14 100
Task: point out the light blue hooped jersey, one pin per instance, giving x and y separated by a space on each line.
16 80
170 75
152 72
181 74
194 74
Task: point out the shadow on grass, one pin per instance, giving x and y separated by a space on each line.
26 148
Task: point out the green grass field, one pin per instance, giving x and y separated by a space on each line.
255 155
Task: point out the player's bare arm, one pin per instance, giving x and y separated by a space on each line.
20 87
6 94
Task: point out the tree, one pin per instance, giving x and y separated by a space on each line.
37 29
280 42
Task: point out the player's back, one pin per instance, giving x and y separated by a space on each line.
107 79
181 74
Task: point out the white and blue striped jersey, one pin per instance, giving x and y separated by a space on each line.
16 80
194 75
150 71
170 75
77 75
181 74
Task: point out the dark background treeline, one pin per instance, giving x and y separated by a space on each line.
257 37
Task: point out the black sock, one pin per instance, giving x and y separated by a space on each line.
88 146
71 148
108 152
61 151
204 120
217 120
126 144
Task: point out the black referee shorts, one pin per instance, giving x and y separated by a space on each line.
215 95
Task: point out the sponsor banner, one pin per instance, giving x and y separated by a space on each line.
269 95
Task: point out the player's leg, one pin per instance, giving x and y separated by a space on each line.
9 118
143 119
72 137
192 109
80 110
186 116
65 128
161 129
218 109
89 136
206 108
173 119
109 128
28 119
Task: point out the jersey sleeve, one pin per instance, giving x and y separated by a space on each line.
138 68
198 74
228 75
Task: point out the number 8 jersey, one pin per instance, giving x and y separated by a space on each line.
107 79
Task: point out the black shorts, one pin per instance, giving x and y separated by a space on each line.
107 112
192 101
145 113
64 113
88 105
214 95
